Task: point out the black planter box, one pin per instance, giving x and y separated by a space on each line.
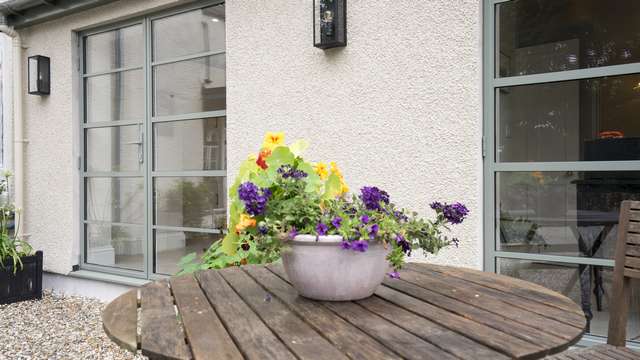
25 284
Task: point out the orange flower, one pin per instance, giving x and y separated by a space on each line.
245 222
264 154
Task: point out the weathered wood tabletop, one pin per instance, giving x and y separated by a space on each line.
431 312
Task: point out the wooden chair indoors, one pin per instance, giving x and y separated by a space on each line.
627 267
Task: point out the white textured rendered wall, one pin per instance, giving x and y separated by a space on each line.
52 129
399 107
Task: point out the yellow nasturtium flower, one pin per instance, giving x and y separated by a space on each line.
334 169
245 222
321 170
344 188
272 140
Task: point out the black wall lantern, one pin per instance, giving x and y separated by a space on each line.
329 23
39 75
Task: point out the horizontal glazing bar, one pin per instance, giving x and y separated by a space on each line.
112 71
567 166
113 270
195 6
109 27
111 174
102 124
195 173
566 75
190 116
98 222
554 258
187 229
187 57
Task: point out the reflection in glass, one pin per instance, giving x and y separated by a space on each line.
113 97
562 213
578 282
115 245
117 199
190 145
113 148
114 49
171 246
195 202
189 33
557 35
580 120
190 86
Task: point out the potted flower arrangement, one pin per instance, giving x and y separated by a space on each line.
20 268
334 246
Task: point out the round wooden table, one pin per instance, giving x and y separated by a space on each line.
431 312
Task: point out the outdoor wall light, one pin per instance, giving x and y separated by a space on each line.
39 75
329 23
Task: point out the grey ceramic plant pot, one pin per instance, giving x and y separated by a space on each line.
320 269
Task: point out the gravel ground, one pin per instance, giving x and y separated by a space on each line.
57 327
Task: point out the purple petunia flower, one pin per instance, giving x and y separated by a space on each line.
436 205
373 231
345 245
255 199
262 229
293 232
287 171
336 222
394 274
360 245
454 213
364 219
371 196
400 216
404 244
322 229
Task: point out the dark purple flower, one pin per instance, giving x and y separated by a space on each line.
455 213
245 246
322 229
255 199
394 274
400 216
336 222
456 241
360 245
436 206
345 245
293 232
364 219
287 171
404 244
262 229
373 231
371 196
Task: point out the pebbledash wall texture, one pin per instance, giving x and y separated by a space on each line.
399 107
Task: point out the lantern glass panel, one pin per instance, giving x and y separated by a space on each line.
33 75
329 18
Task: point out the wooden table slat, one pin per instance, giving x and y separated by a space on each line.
207 336
120 320
510 285
342 334
256 339
519 302
162 337
299 337
446 339
495 305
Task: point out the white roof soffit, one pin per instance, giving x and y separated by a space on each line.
23 13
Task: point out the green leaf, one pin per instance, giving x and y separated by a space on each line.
280 156
332 187
298 147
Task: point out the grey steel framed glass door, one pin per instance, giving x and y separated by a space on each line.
153 140
562 144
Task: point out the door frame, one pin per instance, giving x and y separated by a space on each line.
147 130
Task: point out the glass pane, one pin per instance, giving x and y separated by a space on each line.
196 202
113 245
114 49
171 246
578 282
119 200
550 35
189 33
562 213
113 148
190 86
113 97
581 120
190 145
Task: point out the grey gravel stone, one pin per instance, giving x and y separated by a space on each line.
56 327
